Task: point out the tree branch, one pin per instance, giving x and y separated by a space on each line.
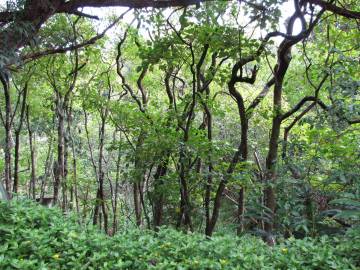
301 103
81 14
34 56
75 4
335 9
261 95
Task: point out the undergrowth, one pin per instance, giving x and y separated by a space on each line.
38 238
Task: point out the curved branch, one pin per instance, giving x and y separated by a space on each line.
335 9
261 95
301 103
37 55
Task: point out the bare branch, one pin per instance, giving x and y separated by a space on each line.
301 103
81 14
261 95
37 55
75 4
335 9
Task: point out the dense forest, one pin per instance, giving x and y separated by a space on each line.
180 134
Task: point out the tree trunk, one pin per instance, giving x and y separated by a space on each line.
48 166
117 179
137 204
59 172
138 179
32 189
158 192
101 171
8 125
284 58
240 155
17 140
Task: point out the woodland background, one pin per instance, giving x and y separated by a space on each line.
206 116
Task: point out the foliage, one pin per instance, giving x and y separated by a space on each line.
209 118
34 237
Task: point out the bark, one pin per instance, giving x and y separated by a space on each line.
138 179
17 140
185 207
32 189
284 58
137 204
158 202
101 197
117 179
243 149
241 154
340 10
283 62
143 205
208 123
159 198
210 171
76 193
48 166
96 209
64 182
189 115
74 185
60 165
290 126
101 200
8 126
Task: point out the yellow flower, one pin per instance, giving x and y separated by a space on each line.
284 250
56 256
223 261
165 245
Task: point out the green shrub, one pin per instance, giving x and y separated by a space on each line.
34 237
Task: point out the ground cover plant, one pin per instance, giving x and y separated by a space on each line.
34 237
